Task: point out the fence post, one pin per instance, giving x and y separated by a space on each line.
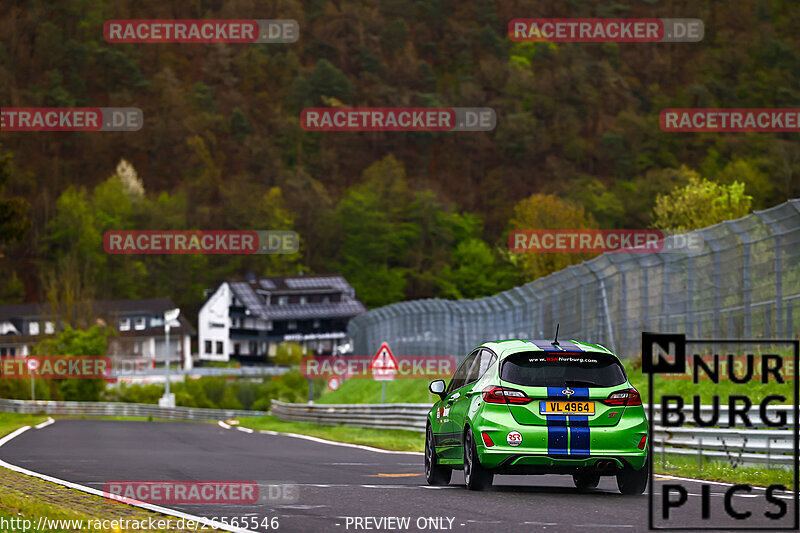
687 317
715 281
746 277
608 316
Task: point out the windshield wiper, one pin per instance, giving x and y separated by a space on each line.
582 383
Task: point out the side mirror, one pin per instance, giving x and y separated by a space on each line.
437 387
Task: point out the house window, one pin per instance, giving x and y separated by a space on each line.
125 324
235 323
219 347
236 348
269 325
33 328
49 327
209 349
316 324
292 324
283 300
139 323
303 300
326 299
137 347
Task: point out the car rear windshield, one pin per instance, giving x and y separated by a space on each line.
546 369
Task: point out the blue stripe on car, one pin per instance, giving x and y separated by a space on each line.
579 427
569 346
556 425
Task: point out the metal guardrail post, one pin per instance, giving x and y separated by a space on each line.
700 453
769 452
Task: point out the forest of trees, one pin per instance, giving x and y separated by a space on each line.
401 215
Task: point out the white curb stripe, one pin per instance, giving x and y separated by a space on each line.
45 423
128 501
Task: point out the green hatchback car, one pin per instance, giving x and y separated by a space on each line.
538 407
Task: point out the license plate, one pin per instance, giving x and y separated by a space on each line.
566 408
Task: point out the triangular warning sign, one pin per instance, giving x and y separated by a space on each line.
384 360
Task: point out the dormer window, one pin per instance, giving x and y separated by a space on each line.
283 300
33 328
303 300
49 327
140 323
125 324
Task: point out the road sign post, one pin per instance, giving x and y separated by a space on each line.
33 364
170 318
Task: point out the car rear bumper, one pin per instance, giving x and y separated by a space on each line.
535 452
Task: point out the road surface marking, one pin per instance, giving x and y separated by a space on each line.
396 475
45 423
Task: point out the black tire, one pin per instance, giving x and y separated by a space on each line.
586 480
435 473
633 482
475 476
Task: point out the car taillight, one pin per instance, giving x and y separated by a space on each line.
495 394
623 398
643 442
487 440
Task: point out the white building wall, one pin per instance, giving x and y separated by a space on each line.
7 327
214 324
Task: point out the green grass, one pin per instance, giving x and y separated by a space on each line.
387 439
369 391
11 421
755 390
686 466
128 418
416 390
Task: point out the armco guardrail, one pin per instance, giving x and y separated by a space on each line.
120 409
763 446
245 371
409 416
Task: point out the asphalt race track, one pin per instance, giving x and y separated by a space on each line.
337 482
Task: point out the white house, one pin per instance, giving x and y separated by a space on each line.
248 319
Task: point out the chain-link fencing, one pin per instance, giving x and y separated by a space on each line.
743 282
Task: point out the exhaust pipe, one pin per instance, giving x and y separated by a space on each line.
605 466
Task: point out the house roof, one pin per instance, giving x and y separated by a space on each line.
100 308
252 292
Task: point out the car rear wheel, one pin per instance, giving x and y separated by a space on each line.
476 477
633 482
586 480
435 474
